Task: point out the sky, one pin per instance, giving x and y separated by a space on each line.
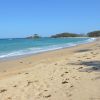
21 18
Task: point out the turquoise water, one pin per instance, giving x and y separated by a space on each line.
16 47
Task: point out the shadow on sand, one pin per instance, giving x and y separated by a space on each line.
91 66
84 50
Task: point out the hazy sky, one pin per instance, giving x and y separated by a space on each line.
20 18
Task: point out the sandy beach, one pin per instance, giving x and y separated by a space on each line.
66 74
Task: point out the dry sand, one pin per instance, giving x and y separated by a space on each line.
67 74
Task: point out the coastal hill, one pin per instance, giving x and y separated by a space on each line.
66 35
94 34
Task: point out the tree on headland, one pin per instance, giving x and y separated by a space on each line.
35 36
94 34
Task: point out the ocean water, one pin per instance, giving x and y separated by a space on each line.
19 47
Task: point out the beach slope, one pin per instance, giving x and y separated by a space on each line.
67 74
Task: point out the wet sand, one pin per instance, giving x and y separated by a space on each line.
66 74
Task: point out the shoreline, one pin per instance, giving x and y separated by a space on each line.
54 75
32 54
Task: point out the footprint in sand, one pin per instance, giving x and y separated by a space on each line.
45 90
30 63
69 94
15 86
66 72
48 96
4 71
19 73
64 82
9 98
71 86
29 82
88 58
80 67
62 75
56 64
26 73
79 60
3 90
21 62
67 78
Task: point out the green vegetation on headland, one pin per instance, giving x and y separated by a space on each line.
62 35
94 34
90 34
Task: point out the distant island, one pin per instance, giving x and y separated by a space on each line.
35 36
